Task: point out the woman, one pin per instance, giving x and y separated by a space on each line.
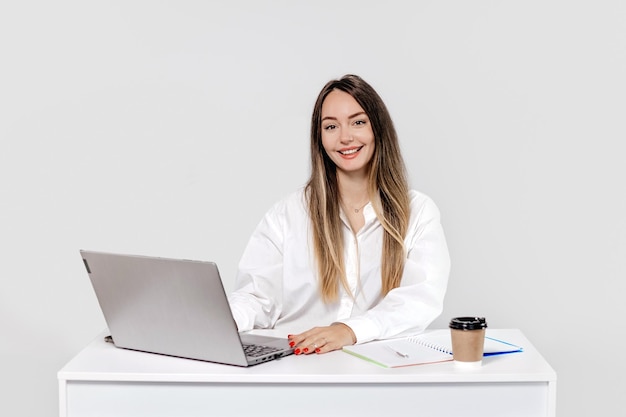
355 255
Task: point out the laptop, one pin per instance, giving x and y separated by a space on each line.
173 307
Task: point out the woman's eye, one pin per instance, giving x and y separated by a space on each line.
359 122
329 127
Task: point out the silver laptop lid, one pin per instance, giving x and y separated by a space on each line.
167 306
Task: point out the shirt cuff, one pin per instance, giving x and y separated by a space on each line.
364 329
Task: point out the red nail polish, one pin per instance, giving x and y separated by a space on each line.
306 350
317 350
297 351
292 344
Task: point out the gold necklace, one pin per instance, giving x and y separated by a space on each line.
356 210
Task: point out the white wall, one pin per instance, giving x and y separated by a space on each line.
168 128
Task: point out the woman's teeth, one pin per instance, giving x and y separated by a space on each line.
350 152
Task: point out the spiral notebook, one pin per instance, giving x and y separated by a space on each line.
431 347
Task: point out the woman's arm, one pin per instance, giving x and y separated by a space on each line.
257 299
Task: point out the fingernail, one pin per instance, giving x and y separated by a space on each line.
306 350
317 350
297 351
292 344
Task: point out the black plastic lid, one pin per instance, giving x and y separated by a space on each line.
468 323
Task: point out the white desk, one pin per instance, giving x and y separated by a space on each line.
103 380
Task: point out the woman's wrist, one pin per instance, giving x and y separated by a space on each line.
349 331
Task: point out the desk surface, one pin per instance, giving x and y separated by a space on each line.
101 361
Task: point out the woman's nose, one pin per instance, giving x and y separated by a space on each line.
346 136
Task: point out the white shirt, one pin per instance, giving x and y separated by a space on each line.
277 285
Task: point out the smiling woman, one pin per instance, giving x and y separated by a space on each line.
355 255
347 138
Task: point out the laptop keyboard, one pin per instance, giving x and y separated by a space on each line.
258 350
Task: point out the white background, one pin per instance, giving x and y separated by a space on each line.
168 128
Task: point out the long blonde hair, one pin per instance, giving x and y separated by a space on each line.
388 191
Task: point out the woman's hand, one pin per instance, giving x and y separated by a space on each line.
322 339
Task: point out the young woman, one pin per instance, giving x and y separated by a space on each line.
355 255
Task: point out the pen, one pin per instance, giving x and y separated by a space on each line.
403 355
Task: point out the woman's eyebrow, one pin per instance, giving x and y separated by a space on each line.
361 113
349 117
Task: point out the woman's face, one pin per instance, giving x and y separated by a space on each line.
347 135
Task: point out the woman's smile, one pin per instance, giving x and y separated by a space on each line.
350 153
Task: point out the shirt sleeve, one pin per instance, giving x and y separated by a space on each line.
411 307
256 301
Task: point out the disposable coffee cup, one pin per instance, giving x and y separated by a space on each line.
468 340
